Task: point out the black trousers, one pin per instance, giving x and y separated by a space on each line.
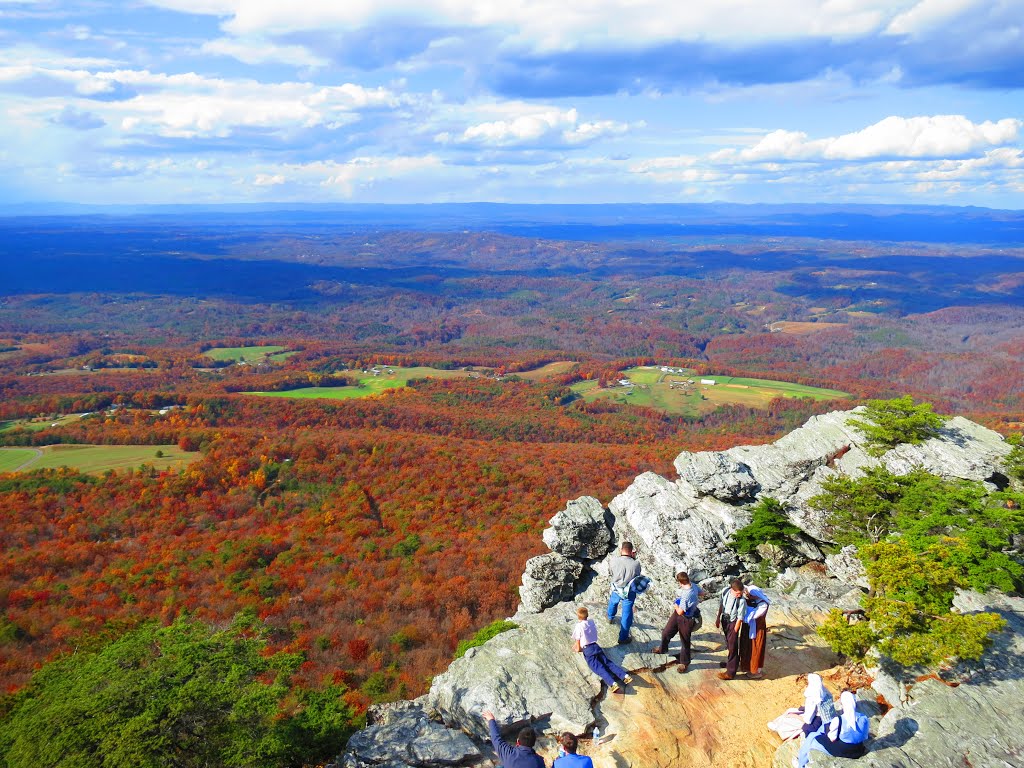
684 626
732 642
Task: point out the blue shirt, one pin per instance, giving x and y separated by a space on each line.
687 598
573 761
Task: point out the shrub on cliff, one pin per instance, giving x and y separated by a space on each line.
889 423
923 510
768 525
908 609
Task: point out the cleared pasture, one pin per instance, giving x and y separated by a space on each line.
653 388
248 354
94 459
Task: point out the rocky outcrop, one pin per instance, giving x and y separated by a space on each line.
674 528
403 735
579 530
547 580
717 474
531 674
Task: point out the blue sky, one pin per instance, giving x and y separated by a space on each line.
171 101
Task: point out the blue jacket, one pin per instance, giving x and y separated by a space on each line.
513 757
573 761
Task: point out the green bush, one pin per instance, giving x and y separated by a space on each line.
484 635
892 422
924 510
768 525
909 609
183 695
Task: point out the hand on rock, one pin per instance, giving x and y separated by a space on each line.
487 714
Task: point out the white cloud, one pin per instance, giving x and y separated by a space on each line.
191 105
252 51
928 14
539 126
268 180
913 137
569 23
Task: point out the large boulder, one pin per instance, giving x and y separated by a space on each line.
526 674
674 528
547 580
403 735
579 530
716 474
962 450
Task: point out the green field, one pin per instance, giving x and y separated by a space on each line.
12 458
652 388
97 458
368 383
270 352
36 425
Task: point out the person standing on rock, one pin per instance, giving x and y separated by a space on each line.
624 571
567 757
681 620
584 638
754 638
519 756
732 609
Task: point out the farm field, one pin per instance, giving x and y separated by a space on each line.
37 425
96 458
12 458
271 352
653 388
368 383
546 371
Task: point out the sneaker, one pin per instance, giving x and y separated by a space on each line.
724 676
616 688
627 641
613 620
627 680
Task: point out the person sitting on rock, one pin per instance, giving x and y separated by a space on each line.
624 571
519 756
843 736
682 619
732 609
753 642
819 706
584 638
567 757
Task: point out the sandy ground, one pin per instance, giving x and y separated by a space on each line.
696 720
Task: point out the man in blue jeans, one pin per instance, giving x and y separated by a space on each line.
624 570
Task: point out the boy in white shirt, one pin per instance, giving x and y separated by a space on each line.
585 640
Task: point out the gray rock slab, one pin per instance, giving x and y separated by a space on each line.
405 736
547 580
963 450
717 474
579 530
675 529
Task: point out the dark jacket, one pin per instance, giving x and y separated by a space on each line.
513 757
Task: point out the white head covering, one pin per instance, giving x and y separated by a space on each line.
814 685
812 695
848 720
849 702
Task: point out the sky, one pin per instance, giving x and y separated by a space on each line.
526 101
